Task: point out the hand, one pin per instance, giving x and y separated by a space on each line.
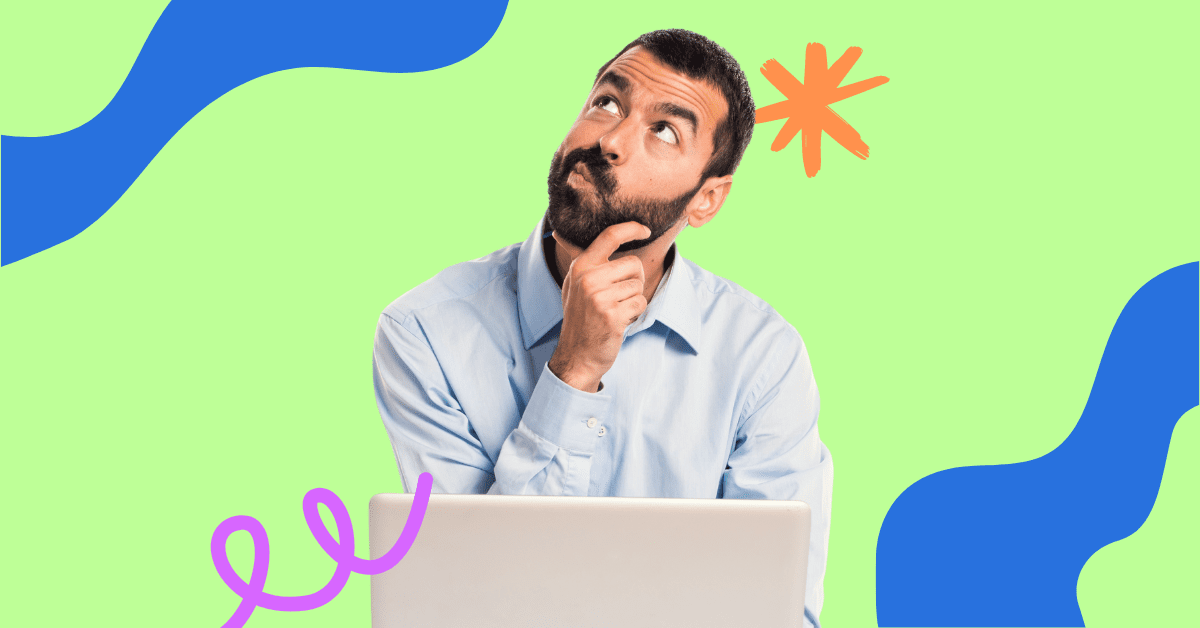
600 299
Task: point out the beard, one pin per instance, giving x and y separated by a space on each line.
579 219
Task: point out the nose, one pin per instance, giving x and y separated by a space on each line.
615 144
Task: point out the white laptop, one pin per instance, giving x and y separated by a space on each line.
492 561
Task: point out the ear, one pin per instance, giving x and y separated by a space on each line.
708 200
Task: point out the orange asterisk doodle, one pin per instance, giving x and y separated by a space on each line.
807 107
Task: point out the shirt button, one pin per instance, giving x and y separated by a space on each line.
592 422
601 432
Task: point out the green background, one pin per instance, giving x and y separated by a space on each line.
204 349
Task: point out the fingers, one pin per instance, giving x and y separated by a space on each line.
593 279
601 298
607 242
629 267
620 291
631 308
621 313
619 269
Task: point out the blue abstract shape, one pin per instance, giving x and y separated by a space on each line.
1004 545
54 187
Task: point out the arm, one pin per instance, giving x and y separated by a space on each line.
549 452
779 455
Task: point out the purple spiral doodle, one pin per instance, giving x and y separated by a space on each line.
340 550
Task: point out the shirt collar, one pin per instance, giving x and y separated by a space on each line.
539 298
675 303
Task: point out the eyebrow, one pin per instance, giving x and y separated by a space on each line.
620 83
672 109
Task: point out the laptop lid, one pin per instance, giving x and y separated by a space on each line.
524 561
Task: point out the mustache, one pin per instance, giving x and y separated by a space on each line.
597 165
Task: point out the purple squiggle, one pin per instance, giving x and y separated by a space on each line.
341 551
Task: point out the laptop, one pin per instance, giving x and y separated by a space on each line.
506 561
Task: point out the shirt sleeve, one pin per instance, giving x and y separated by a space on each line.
549 452
779 455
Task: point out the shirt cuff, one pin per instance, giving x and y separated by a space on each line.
564 415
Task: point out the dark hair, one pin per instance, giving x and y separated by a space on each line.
700 58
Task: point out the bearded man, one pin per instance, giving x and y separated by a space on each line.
593 359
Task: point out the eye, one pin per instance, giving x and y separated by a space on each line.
664 132
607 103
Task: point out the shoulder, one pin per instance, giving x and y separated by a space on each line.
458 286
740 316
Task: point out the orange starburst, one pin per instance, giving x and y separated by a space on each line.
807 105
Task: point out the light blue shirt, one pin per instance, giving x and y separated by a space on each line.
711 395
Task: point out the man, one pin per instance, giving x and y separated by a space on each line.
592 359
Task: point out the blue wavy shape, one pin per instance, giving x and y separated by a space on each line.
1004 545
54 187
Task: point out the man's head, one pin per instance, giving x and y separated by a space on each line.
662 131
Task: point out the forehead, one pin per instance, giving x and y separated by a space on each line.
653 82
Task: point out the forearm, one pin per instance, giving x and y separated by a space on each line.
550 451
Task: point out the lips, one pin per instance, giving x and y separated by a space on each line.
582 171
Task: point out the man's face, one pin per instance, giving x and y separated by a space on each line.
635 152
